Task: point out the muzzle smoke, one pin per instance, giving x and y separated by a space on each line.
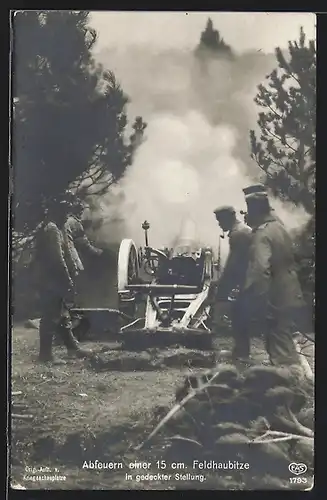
196 153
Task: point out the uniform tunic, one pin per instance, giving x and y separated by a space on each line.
272 289
236 265
77 241
271 276
50 258
233 277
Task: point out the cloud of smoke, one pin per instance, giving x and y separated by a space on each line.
293 217
196 154
187 170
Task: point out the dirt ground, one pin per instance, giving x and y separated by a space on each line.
80 415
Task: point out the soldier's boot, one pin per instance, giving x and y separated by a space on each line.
241 351
241 348
280 345
73 346
45 352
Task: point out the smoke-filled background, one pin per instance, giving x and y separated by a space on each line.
196 153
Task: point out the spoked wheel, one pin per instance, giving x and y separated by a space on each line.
127 274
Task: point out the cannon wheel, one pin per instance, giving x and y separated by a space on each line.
127 273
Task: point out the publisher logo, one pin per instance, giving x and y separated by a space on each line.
297 469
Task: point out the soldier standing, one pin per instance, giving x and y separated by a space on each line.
76 230
76 240
272 289
55 284
234 275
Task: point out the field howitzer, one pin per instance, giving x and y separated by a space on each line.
175 293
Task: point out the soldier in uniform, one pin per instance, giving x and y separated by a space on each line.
76 230
272 290
55 283
233 276
77 241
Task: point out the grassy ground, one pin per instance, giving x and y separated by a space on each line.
90 409
79 414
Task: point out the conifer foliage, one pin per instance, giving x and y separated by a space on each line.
285 149
69 116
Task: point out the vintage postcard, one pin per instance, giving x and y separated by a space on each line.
163 205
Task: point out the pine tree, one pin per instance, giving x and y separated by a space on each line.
212 44
286 148
69 113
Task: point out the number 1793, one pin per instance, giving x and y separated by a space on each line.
298 480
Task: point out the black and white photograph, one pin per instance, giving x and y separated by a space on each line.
162 267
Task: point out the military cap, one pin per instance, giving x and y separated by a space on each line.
255 191
224 210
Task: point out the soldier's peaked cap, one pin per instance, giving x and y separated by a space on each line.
255 191
224 209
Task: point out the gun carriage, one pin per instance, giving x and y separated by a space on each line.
165 292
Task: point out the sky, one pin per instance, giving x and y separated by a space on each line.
243 31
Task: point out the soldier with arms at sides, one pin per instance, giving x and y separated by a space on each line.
233 276
272 290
